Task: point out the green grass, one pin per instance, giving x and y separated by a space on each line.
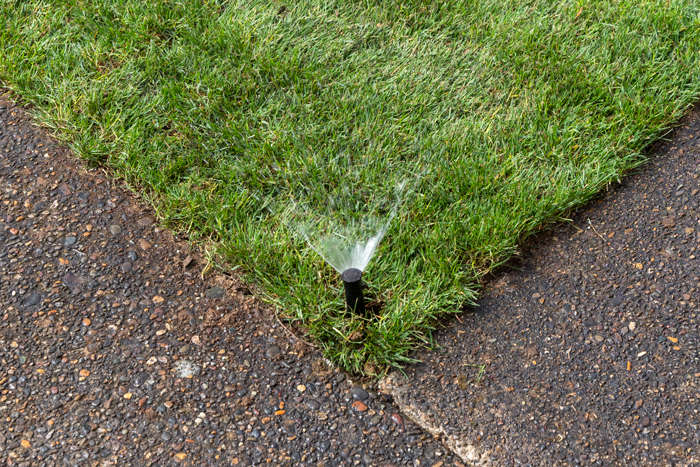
220 112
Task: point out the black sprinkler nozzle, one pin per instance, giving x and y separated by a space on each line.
352 280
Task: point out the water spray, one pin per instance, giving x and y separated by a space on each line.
352 280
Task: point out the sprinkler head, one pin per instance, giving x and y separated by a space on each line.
352 280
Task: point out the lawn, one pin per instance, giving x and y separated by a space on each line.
500 117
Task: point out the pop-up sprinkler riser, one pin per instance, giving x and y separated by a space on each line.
352 280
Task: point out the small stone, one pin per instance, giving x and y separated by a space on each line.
399 421
132 256
127 266
70 241
632 326
639 403
359 406
644 422
186 369
313 404
599 338
359 394
532 351
301 388
668 221
72 281
214 292
536 295
288 427
115 229
86 321
143 243
64 190
128 395
158 299
339 378
272 351
145 221
32 300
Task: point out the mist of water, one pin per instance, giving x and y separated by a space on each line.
347 239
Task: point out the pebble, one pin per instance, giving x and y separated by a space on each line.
115 229
398 420
144 244
214 292
313 404
70 241
72 281
359 394
64 190
127 266
145 221
272 351
359 406
32 300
